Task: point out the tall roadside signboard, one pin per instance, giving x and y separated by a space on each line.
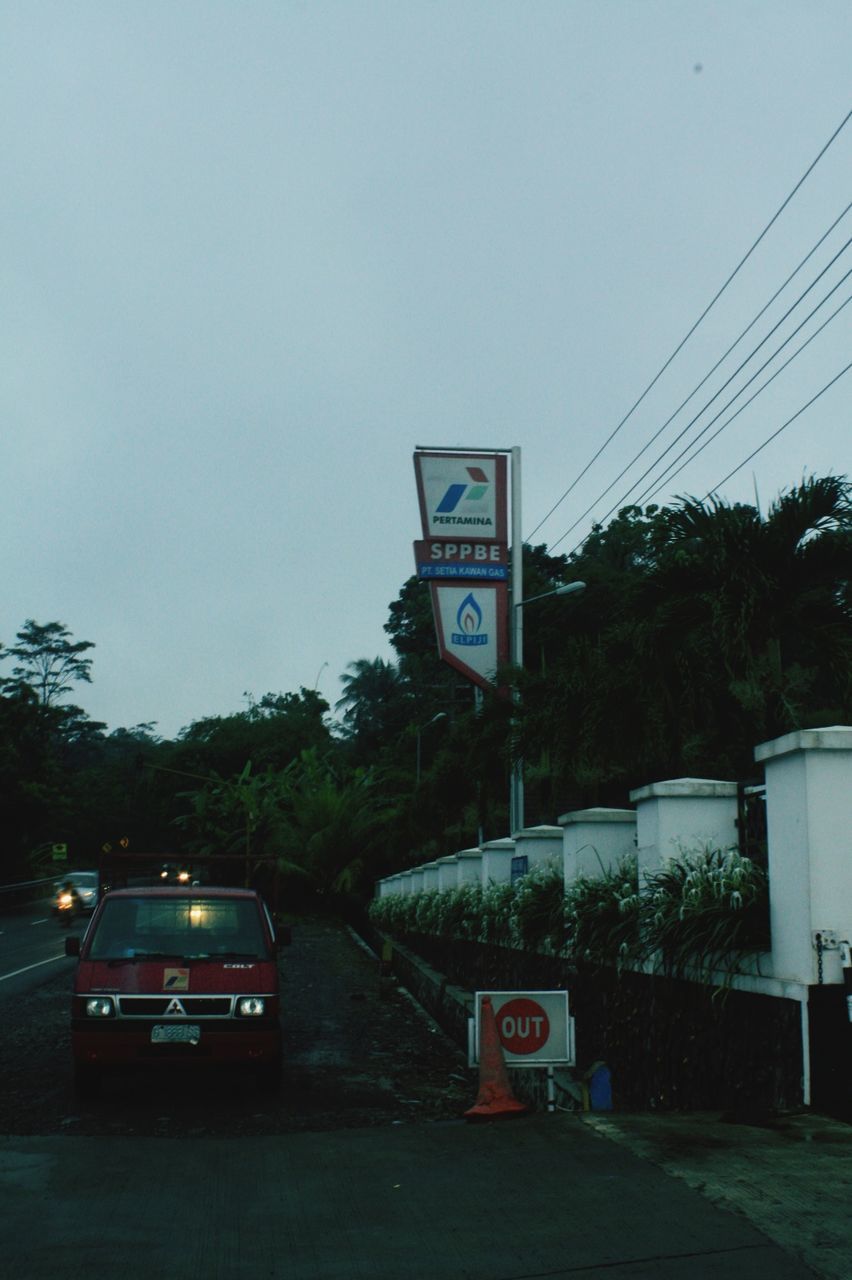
464 556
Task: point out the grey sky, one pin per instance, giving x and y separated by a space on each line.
251 254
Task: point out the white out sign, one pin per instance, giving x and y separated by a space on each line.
533 1026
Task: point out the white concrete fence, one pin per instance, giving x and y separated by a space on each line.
809 834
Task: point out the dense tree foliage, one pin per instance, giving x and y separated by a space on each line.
704 629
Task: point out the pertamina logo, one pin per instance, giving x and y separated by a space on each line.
176 979
472 494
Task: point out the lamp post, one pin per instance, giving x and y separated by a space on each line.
442 715
516 785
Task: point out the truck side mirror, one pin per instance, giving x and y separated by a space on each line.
72 946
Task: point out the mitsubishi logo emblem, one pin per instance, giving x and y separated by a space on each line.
175 1009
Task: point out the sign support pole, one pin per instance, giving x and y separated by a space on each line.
516 625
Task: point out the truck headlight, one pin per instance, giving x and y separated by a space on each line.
100 1007
251 1006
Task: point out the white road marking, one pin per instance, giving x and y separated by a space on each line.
26 969
44 921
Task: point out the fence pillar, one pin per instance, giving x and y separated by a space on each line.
470 866
448 872
537 845
593 840
683 815
809 830
497 861
430 875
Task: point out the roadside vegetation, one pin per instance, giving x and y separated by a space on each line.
705 628
702 914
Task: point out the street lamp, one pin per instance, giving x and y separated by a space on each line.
442 715
567 589
516 786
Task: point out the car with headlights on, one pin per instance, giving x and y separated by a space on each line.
176 976
75 892
174 873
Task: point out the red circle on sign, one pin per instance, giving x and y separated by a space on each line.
523 1026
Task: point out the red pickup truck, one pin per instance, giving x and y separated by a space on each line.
176 975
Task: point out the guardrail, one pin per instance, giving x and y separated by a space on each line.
24 892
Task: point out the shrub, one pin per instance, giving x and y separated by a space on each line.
701 912
426 912
461 913
706 911
538 909
602 916
497 926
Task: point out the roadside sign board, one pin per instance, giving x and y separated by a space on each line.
534 1027
463 555
462 495
519 867
59 852
461 559
471 625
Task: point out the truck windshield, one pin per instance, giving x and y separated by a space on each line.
192 928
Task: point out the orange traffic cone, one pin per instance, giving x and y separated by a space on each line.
496 1100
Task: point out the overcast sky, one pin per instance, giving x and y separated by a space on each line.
253 253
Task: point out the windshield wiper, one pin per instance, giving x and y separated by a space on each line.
227 955
145 955
184 959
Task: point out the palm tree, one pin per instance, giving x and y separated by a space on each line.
765 599
374 702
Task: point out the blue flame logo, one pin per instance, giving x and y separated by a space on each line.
469 621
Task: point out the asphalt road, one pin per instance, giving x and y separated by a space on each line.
361 1170
32 949
538 1197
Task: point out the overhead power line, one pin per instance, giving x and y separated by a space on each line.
668 475
635 484
777 433
708 375
692 330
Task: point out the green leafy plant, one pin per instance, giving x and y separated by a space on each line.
537 909
704 912
701 914
602 916
427 912
497 926
461 913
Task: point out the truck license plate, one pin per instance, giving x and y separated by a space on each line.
183 1033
